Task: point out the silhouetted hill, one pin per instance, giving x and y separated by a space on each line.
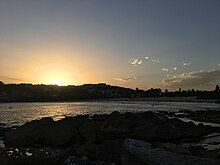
29 92
1 83
47 93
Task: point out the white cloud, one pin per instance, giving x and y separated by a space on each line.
126 79
155 61
165 69
186 63
193 79
135 61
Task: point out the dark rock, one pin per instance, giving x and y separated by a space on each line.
180 149
111 134
114 115
128 121
75 122
73 160
109 151
89 149
142 153
88 130
163 132
3 131
59 134
163 129
43 132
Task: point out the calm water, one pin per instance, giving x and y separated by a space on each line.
18 113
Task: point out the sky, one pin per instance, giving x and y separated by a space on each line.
132 43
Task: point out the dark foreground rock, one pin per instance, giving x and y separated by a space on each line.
98 140
135 152
40 132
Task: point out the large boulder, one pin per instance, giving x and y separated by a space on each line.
163 129
105 134
128 121
88 130
156 133
74 122
42 132
109 151
142 153
59 134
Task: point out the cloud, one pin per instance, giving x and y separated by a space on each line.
11 79
218 64
127 79
135 61
186 63
193 79
165 69
156 61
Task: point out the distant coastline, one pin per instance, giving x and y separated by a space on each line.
99 92
189 99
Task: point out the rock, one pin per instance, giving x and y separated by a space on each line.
29 156
151 133
111 134
181 149
88 130
128 121
43 132
147 115
114 115
109 151
142 153
28 134
59 134
3 131
74 122
89 149
73 160
163 129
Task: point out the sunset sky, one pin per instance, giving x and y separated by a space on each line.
132 43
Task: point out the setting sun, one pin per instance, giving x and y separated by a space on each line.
57 82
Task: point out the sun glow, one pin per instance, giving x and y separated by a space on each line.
57 82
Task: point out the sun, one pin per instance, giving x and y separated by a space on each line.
58 82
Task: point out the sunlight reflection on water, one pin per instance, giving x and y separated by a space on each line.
18 113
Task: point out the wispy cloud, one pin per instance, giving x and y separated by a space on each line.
127 79
193 79
165 69
11 79
155 61
186 63
135 61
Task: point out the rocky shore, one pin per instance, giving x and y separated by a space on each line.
144 138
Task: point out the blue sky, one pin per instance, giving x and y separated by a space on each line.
132 43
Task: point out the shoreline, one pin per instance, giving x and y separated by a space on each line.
107 138
190 99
